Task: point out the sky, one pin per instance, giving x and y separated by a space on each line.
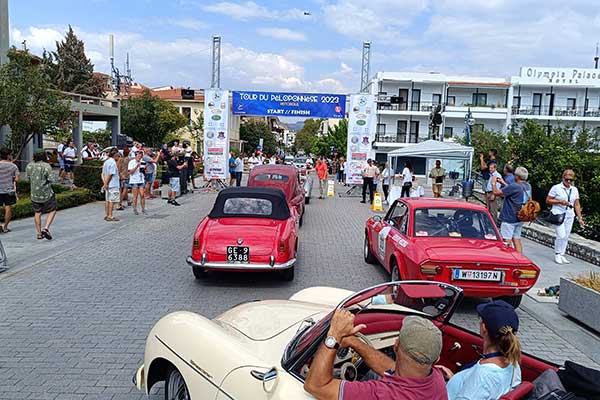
314 45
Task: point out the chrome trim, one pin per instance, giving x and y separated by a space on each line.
240 266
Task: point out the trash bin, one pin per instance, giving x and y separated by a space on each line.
467 189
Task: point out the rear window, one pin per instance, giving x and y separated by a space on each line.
248 206
271 177
453 222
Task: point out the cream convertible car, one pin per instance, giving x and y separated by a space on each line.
264 349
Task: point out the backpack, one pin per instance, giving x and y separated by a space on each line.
529 211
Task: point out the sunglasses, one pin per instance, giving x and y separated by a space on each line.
569 180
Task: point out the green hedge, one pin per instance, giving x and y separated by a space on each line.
24 188
64 200
88 176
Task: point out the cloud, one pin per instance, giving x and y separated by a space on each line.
281 33
37 38
187 23
345 69
250 10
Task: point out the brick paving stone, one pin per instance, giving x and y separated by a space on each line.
74 326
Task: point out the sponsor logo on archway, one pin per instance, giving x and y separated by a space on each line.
361 123
216 134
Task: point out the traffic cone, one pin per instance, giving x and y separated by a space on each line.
377 202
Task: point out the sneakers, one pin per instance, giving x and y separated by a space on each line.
565 260
558 259
135 211
144 211
175 203
362 201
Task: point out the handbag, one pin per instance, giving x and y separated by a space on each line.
556 219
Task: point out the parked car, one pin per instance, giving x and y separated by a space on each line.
449 241
284 177
288 160
248 229
264 349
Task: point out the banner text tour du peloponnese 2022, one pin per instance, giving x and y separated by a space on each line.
361 129
216 134
303 105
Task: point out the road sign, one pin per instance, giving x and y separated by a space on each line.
377 203
330 188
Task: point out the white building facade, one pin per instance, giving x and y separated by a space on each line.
569 97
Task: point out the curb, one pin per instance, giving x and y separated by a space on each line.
589 252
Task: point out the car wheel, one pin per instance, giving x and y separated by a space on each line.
199 272
307 200
514 301
175 387
288 274
395 272
369 256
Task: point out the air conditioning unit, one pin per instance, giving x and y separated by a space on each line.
383 98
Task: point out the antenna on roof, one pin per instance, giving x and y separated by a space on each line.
597 57
119 82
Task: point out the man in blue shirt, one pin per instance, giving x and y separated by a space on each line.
515 195
231 168
509 174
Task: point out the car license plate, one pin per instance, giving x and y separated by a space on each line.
477 275
239 254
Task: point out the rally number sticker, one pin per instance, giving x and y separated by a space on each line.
381 241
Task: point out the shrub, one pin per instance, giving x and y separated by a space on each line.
24 188
88 175
64 200
588 279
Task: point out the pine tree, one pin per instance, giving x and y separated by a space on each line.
74 72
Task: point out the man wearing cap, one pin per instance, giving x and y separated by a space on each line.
410 377
498 371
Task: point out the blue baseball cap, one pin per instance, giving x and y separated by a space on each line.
498 314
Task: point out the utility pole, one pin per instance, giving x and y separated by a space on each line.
597 57
216 63
4 43
366 67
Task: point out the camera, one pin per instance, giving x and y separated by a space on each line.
143 167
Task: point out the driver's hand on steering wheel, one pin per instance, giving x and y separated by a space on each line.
342 325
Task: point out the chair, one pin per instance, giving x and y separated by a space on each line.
519 392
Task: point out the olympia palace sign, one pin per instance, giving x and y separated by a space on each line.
560 76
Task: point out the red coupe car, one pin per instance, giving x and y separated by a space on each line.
284 177
448 241
248 229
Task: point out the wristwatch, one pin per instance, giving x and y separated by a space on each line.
331 343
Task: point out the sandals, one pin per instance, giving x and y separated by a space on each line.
5 229
40 236
46 234
112 219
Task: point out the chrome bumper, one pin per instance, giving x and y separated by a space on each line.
239 266
139 379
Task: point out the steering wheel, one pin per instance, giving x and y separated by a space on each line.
350 360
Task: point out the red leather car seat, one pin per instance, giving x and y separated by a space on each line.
519 392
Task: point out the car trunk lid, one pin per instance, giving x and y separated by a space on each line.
259 234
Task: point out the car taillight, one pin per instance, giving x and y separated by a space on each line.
431 269
196 244
282 246
524 273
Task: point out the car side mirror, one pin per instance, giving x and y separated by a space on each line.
269 378
377 218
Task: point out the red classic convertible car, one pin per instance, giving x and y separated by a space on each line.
284 177
248 229
448 241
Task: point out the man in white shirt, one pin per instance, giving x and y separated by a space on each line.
253 161
70 156
137 170
110 184
493 202
239 169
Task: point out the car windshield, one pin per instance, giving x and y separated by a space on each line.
453 223
248 206
299 160
271 177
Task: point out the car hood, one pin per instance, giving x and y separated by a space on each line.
263 320
469 251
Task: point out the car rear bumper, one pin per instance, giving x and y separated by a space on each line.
486 291
225 266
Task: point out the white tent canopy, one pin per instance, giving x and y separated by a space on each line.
434 149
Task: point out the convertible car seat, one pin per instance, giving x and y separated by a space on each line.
519 392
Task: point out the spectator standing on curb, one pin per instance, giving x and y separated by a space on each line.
110 180
387 175
515 196
493 203
239 169
485 168
437 175
150 174
9 176
70 156
88 153
509 174
174 180
43 200
321 169
137 169
134 149
407 179
189 160
231 168
123 179
368 174
253 161
564 199
61 162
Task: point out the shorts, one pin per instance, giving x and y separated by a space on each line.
136 185
69 164
112 195
124 183
437 188
511 231
46 207
174 184
7 199
61 163
149 178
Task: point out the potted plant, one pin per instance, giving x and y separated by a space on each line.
580 298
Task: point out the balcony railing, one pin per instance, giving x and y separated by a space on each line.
557 111
391 137
416 106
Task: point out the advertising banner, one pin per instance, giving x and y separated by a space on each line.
305 105
216 134
361 132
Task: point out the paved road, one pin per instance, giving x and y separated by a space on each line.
73 326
